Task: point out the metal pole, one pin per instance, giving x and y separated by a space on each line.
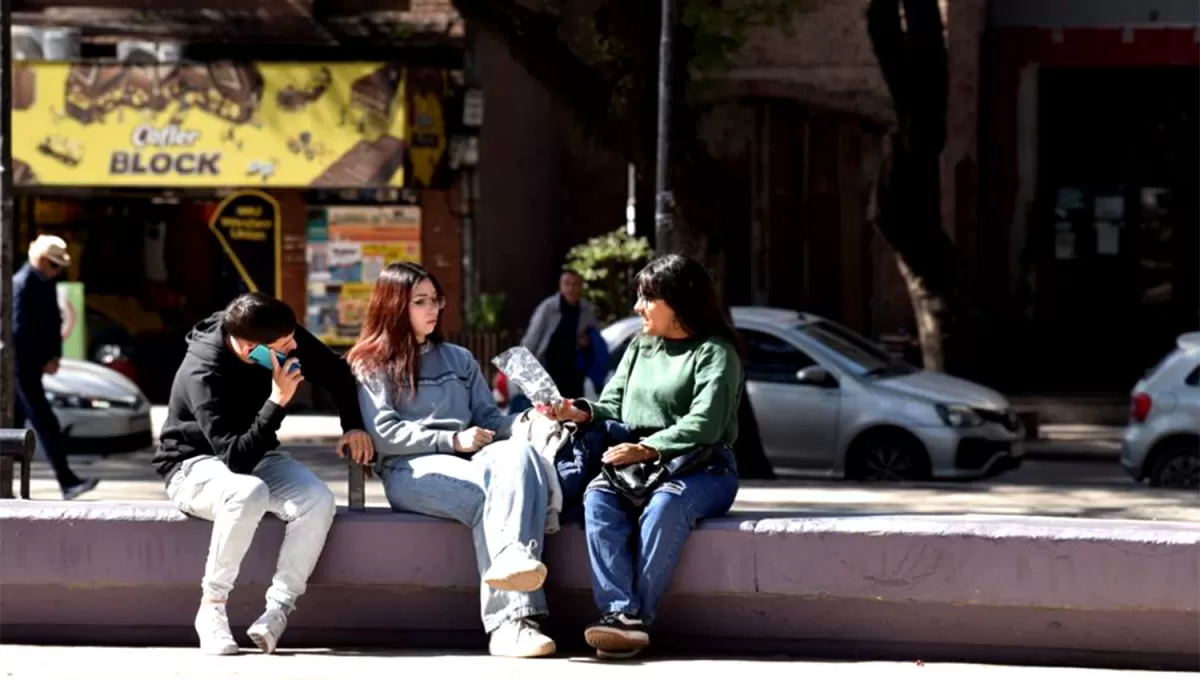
664 202
631 202
7 233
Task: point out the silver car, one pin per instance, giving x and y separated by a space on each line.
100 410
830 402
1162 441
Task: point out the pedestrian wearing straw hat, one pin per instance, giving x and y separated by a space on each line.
37 342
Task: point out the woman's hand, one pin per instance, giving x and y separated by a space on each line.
564 410
626 454
472 439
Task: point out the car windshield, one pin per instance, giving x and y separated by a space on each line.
857 353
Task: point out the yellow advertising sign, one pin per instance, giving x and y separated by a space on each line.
218 124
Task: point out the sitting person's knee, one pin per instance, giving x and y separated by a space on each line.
245 492
667 507
518 456
318 499
597 499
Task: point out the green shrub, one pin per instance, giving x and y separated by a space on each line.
484 313
608 265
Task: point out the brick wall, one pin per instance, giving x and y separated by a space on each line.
293 223
825 60
441 250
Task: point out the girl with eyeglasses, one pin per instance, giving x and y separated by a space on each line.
443 450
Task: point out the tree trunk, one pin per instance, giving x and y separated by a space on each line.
926 310
907 209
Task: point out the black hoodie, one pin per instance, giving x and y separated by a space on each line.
219 404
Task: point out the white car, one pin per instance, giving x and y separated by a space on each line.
1162 441
100 410
830 402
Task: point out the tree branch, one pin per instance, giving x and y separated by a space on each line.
928 57
887 40
532 39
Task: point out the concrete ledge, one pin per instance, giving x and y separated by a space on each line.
980 588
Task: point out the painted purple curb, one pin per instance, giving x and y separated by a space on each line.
83 572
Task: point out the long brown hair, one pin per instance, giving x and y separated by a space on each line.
386 344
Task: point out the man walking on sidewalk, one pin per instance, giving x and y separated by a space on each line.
218 455
37 343
558 330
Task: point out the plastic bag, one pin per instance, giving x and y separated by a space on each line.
522 368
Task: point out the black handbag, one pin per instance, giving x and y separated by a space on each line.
638 481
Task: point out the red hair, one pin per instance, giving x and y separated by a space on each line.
386 345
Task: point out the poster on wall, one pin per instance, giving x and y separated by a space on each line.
220 124
74 321
348 247
246 225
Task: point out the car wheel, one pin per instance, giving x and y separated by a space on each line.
1177 467
892 456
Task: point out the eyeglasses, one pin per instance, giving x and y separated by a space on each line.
425 303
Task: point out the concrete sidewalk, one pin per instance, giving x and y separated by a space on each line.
19 662
1058 442
1098 491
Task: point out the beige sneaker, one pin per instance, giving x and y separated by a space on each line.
212 625
266 631
521 639
516 569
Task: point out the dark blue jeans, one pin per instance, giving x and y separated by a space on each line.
634 550
580 464
33 408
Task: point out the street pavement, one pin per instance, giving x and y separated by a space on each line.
1073 474
1096 488
20 662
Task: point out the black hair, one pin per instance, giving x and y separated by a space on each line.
257 317
688 288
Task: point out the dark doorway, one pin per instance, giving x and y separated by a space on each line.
1117 258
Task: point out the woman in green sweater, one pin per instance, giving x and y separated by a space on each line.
674 400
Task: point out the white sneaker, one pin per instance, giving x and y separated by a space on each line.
521 639
515 568
266 631
212 625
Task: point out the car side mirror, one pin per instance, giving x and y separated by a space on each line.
815 376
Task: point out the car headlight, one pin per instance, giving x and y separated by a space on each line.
76 401
958 416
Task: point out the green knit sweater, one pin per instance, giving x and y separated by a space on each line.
685 391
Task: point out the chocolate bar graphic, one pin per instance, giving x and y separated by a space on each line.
224 89
375 92
294 99
93 90
24 87
146 85
22 173
365 164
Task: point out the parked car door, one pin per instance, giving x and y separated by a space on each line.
798 423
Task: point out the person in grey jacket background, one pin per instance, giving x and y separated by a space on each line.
443 450
558 329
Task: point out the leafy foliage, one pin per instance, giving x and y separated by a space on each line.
484 313
609 265
720 29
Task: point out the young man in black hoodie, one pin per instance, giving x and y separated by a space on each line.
217 454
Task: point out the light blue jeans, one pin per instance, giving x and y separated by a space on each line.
205 487
501 493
